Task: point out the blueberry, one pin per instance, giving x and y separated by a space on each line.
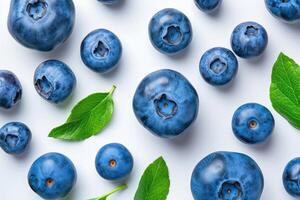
227 176
165 103
249 39
114 162
54 80
101 50
109 2
14 138
291 177
208 6
52 176
218 66
10 89
252 123
285 10
41 24
170 31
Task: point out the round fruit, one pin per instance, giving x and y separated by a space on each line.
285 10
170 31
54 80
10 89
114 162
291 178
101 51
52 176
208 6
218 66
41 24
249 39
252 123
165 103
227 176
14 137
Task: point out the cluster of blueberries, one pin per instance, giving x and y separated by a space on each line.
165 102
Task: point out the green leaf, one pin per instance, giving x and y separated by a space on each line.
104 197
285 89
87 118
155 183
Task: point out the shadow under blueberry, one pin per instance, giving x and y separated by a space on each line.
15 110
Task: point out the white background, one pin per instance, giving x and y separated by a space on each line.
210 132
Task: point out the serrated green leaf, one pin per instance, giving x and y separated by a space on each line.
89 117
104 197
155 183
285 89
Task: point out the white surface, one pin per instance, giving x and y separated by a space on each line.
210 132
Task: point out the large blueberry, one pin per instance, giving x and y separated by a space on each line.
227 176
170 31
14 137
218 66
208 6
41 24
252 123
285 10
109 2
101 50
54 80
249 39
52 176
114 162
10 89
165 103
291 178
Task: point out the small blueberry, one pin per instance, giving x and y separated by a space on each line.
14 138
10 89
54 81
52 176
291 178
285 10
114 162
170 31
249 39
101 50
218 66
165 103
252 123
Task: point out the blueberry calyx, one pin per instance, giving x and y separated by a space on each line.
231 190
11 140
172 35
252 124
49 182
112 163
101 50
36 9
165 107
251 31
218 65
44 87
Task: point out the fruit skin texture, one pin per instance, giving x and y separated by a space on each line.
52 176
54 81
170 31
114 162
208 6
109 2
15 138
288 11
41 24
101 50
249 39
291 177
218 66
165 103
252 123
10 89
221 172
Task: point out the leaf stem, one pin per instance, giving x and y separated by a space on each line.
112 90
119 188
